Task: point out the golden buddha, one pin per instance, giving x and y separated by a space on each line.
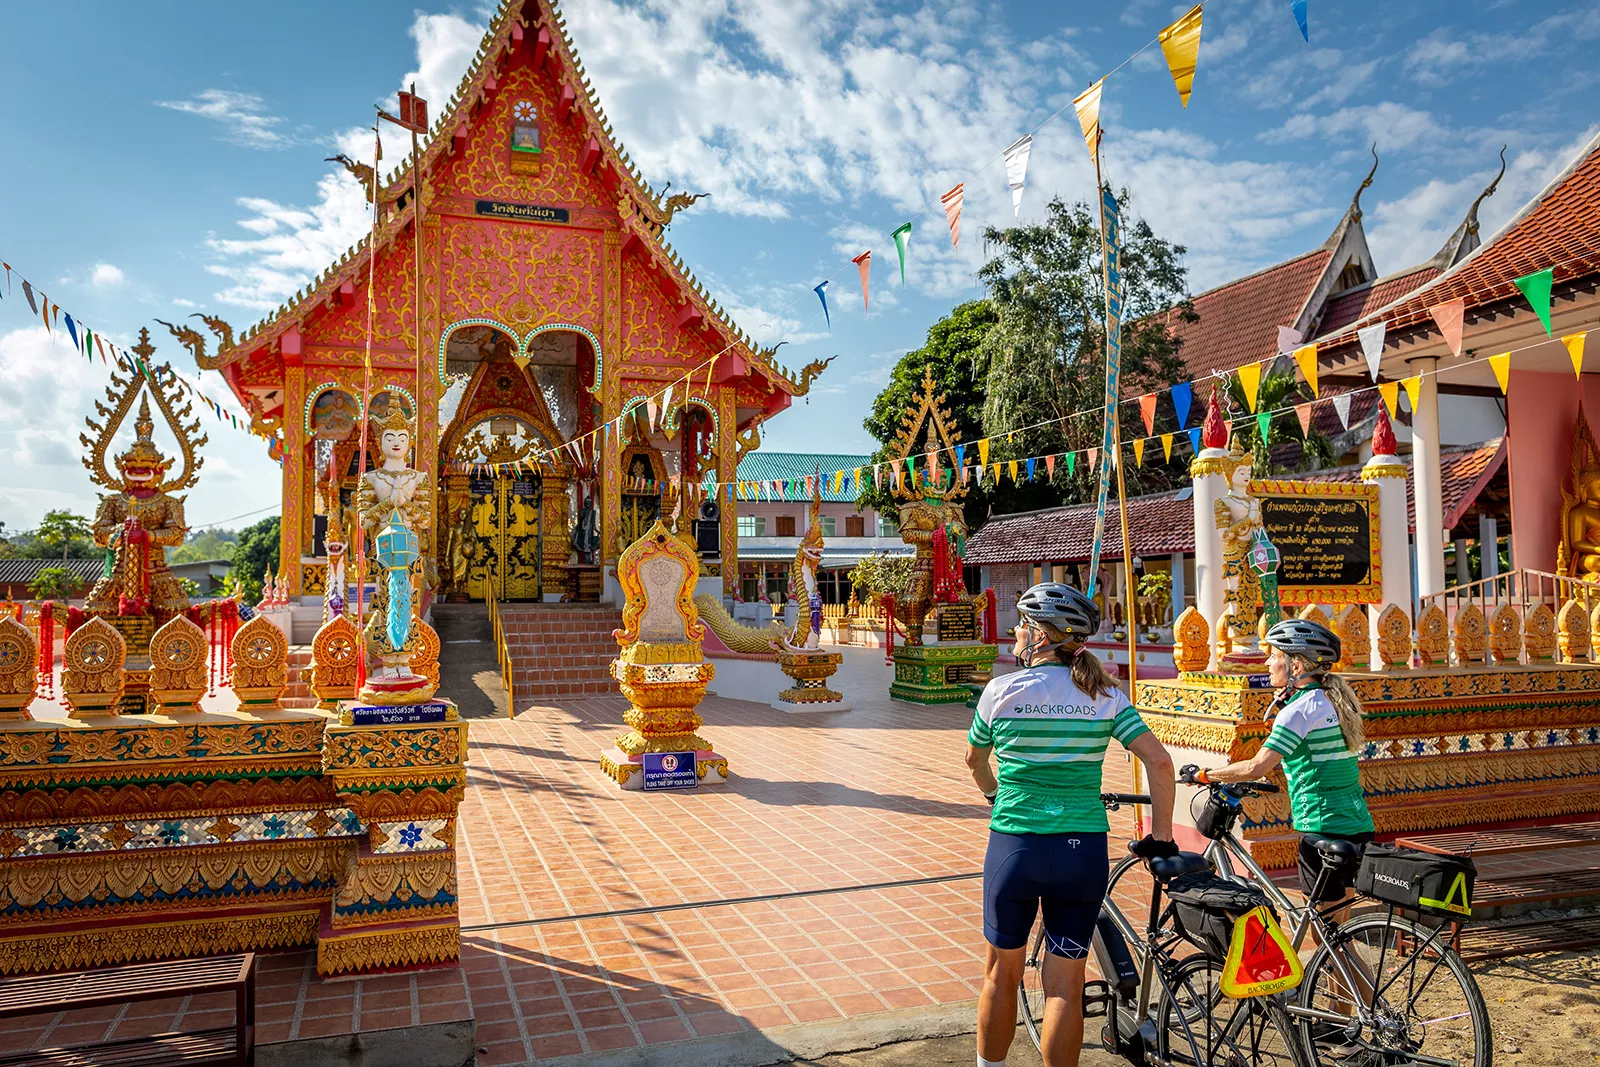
1579 552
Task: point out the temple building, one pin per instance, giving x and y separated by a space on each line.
545 303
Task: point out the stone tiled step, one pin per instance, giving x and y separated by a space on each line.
1522 939
560 651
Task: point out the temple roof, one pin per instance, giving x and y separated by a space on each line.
1239 320
645 215
762 466
1162 523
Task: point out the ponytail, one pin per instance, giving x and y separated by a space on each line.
1348 705
1088 673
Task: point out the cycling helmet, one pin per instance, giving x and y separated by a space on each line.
1302 637
1062 608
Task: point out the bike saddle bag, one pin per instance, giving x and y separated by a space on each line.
1205 906
1431 883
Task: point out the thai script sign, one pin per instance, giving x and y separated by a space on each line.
1327 535
499 209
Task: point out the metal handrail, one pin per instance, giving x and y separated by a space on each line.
1520 588
502 653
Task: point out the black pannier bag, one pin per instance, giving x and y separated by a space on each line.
1204 907
1216 817
1438 884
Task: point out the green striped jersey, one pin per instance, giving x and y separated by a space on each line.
1050 738
1324 777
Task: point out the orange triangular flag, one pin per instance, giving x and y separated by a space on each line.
1390 391
864 262
952 211
1303 413
1501 365
1094 454
1574 343
1413 386
1306 358
1050 467
1449 317
1147 408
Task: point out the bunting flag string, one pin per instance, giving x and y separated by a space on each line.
1016 158
1250 383
1341 404
952 213
1390 391
1180 43
1371 338
1501 365
1413 388
1166 446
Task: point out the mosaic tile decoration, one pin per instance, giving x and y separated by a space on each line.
419 835
175 833
1488 741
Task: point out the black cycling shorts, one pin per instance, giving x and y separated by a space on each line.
1067 873
1339 880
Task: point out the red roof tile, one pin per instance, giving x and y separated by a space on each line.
1239 321
1345 308
1163 524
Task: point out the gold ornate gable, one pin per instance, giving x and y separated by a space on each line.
927 409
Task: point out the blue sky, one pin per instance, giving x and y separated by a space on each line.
161 159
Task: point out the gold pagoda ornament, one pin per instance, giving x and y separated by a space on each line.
140 517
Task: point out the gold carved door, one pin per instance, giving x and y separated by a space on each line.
505 514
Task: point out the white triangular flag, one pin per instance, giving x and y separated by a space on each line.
1341 404
1017 170
1372 345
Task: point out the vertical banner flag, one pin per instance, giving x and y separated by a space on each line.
1111 262
1180 43
1182 397
901 235
1501 365
1574 343
1299 9
1087 104
1017 170
952 212
822 294
1371 338
1306 358
864 262
1536 287
1250 383
1449 317
1341 405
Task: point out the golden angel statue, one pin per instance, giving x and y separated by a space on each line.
1238 516
140 518
395 506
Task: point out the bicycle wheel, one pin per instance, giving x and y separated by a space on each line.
1426 1007
1030 999
1198 1026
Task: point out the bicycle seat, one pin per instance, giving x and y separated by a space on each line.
1334 851
1167 868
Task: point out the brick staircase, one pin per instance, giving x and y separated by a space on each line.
298 695
559 651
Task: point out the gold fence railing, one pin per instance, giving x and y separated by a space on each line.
507 670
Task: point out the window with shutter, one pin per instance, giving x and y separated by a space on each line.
785 524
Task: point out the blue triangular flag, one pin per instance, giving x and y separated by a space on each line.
72 330
961 455
1182 398
822 295
1194 440
1299 9
1030 468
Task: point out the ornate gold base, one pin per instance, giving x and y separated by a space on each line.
205 935
383 949
395 696
628 770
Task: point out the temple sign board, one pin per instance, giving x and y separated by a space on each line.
1327 535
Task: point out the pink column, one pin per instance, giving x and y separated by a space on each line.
1541 412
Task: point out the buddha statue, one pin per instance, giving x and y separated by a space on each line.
1579 552
394 503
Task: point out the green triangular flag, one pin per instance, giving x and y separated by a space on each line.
1264 420
901 236
1535 286
1072 463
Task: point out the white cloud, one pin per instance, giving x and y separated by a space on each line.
244 116
1441 58
105 276
445 47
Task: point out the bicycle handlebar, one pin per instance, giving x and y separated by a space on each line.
1113 801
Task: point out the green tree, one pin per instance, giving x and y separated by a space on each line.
879 574
255 553
1044 360
1280 390
951 354
54 583
63 528
204 545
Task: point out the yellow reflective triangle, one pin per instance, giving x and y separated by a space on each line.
1260 959
1449 902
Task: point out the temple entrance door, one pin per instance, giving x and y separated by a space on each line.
507 561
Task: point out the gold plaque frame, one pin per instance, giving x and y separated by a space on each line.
1368 592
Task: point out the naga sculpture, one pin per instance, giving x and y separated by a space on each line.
807 633
140 518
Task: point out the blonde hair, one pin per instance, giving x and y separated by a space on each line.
1088 673
1345 703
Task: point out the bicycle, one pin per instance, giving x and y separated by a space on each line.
1191 1023
1377 954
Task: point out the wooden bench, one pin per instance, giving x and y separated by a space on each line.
115 986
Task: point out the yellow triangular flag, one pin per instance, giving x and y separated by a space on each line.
983 452
1088 105
1413 386
1574 343
1180 43
1011 469
997 474
1501 365
1166 446
1250 382
1138 452
1390 391
1306 358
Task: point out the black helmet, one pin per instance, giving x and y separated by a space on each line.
1302 637
1062 608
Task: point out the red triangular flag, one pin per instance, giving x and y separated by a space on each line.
1449 317
952 211
1050 467
864 262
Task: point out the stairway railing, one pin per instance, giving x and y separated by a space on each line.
503 654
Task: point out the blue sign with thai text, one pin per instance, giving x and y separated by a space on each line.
670 770
374 715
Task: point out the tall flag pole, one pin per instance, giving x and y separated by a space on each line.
366 393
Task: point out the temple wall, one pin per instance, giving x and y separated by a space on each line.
1541 411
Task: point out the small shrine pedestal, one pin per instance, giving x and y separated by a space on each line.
942 673
810 671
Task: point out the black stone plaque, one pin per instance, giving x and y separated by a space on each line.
958 622
498 209
1326 543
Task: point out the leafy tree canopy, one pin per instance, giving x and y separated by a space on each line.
54 583
61 529
205 545
255 553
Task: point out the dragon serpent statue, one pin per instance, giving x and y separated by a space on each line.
140 517
807 633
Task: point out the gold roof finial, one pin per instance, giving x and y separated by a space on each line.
143 452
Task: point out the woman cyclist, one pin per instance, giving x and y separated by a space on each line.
1048 725
1315 736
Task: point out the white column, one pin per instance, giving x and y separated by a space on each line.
1489 545
1463 568
1388 473
1210 485
1178 591
1427 481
